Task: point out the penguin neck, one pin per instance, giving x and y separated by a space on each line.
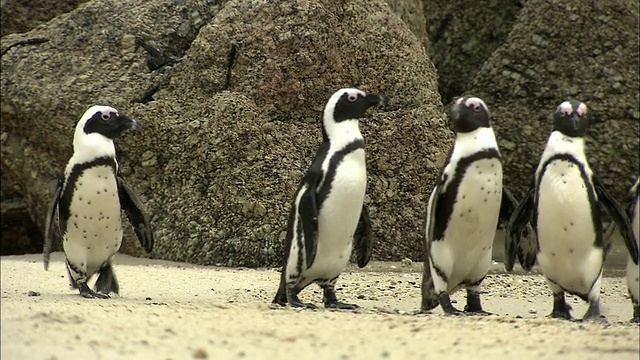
469 143
342 133
88 147
559 143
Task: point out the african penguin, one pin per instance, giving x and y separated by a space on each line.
463 211
564 206
88 201
328 214
633 272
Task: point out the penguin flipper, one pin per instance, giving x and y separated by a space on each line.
363 238
132 206
508 204
308 212
429 297
518 222
48 229
619 217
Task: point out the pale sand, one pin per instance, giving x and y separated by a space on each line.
178 311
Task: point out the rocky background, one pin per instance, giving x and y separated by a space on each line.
231 93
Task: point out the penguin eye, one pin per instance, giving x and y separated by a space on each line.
476 108
352 98
106 116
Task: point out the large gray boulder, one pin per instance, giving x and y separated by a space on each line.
230 95
559 50
463 34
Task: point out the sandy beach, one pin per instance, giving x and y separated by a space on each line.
170 310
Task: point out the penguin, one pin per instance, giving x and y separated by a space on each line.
633 271
88 201
464 210
328 214
564 205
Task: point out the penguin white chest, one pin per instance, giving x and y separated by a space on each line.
465 252
94 230
565 228
338 216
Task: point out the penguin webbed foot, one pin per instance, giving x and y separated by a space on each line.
331 301
87 293
473 306
340 305
561 310
294 301
445 303
593 313
107 282
636 314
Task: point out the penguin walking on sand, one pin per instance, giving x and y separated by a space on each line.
633 271
328 214
88 201
463 211
564 206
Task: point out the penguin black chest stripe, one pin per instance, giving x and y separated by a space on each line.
447 198
336 159
70 186
596 218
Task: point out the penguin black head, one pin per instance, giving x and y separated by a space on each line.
106 121
348 104
571 118
468 114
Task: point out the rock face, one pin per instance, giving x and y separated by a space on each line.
230 95
463 34
559 50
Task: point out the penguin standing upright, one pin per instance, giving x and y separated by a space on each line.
88 201
328 212
463 211
564 206
633 271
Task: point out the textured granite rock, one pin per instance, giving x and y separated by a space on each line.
230 95
560 50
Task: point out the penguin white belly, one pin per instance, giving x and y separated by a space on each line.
94 230
566 234
633 270
338 217
465 252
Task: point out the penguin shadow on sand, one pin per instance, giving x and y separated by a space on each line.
88 201
328 217
564 206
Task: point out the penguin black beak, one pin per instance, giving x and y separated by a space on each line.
376 100
128 122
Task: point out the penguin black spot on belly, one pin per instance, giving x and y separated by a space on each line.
469 210
482 188
464 197
89 202
553 254
98 192
565 229
489 192
79 198
75 224
79 183
564 181
485 199
105 190
75 216
571 251
571 223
